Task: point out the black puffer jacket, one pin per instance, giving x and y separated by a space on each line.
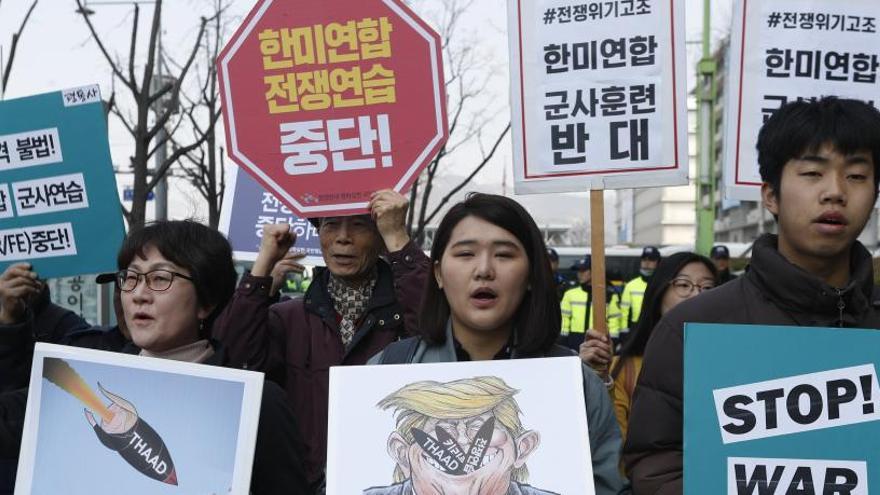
772 292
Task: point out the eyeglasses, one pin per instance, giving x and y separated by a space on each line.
157 280
684 287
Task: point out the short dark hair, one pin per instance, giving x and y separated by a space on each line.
653 301
203 251
538 319
800 127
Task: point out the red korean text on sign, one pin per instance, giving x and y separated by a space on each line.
326 102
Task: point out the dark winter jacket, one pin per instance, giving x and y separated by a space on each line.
12 408
297 341
43 322
772 292
725 276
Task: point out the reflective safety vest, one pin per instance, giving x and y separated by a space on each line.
297 284
574 312
631 301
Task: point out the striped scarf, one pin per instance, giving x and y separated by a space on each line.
350 303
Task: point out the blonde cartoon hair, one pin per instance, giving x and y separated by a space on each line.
417 403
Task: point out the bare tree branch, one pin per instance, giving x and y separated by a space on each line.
153 46
468 74
204 167
175 88
162 101
128 127
113 64
452 192
16 37
133 43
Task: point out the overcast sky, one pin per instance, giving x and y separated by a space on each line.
56 52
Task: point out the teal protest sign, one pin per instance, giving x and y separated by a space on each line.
781 410
59 208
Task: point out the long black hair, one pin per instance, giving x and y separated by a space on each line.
538 319
666 271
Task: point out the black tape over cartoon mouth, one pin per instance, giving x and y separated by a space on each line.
446 454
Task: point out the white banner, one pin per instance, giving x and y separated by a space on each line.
40 241
29 149
796 404
747 476
50 194
597 94
481 427
784 50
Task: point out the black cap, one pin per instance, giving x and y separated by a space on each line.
583 265
720 252
552 254
651 253
106 278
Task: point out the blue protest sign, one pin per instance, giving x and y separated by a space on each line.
781 410
59 208
247 206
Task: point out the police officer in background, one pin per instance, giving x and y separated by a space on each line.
634 290
577 309
721 257
562 283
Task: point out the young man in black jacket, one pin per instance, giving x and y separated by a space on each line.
818 162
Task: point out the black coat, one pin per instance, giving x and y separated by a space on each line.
772 292
43 322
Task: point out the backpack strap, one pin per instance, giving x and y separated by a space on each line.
400 352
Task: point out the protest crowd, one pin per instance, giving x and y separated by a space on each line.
349 342
485 292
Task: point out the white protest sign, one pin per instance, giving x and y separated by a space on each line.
146 425
597 94
746 476
464 426
795 404
786 50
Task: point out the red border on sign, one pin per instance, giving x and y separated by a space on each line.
405 182
739 111
674 166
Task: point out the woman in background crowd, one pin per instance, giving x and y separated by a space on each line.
678 277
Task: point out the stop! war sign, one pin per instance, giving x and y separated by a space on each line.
326 102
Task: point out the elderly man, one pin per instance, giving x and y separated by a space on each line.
367 297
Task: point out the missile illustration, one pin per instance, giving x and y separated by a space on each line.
119 427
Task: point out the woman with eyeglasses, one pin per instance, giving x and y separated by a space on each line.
174 278
678 278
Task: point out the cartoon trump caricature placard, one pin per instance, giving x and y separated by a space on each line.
107 423
478 428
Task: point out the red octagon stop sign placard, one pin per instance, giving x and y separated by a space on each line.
327 101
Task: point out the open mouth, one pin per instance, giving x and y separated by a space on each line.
831 219
484 294
142 317
343 258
